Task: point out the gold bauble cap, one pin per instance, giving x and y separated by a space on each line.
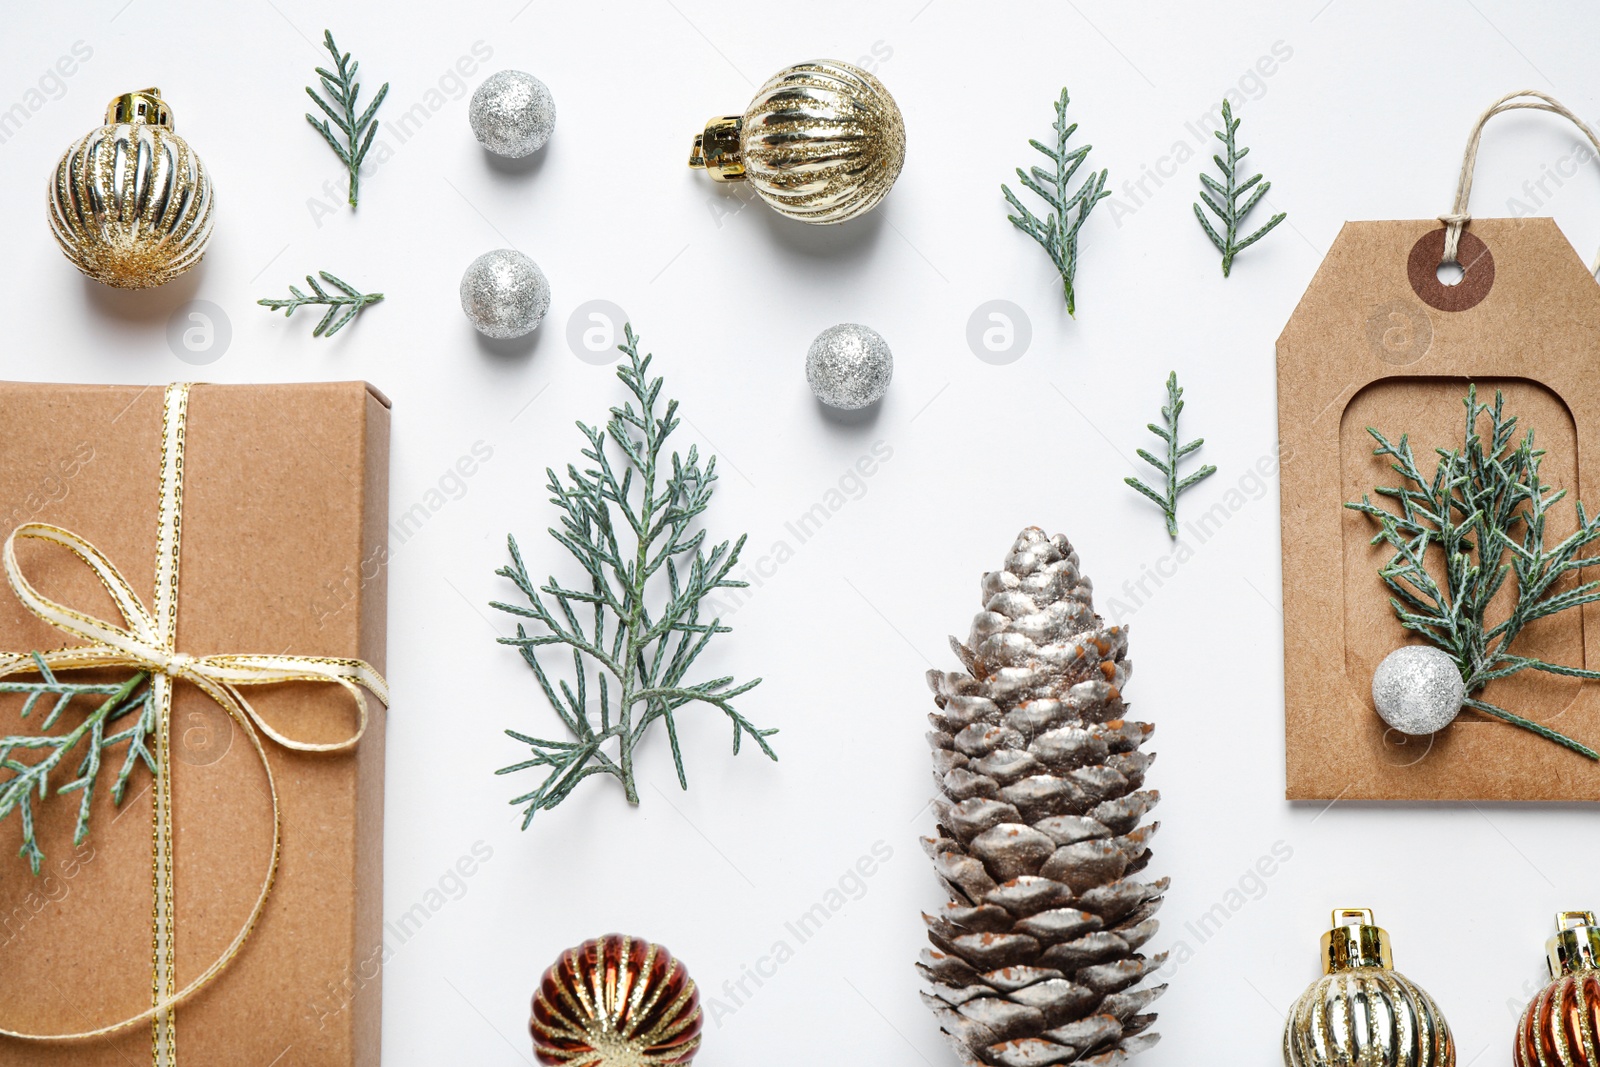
717 150
1355 942
1576 947
142 106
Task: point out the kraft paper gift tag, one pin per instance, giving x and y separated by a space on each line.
1378 340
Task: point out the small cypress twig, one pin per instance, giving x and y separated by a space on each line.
1485 508
1226 204
630 522
342 88
342 306
20 780
1058 233
1175 452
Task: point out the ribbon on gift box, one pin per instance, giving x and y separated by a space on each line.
146 642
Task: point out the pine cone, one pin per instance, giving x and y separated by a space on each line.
1035 958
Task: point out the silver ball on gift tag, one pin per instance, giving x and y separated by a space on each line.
505 294
1418 689
512 114
849 366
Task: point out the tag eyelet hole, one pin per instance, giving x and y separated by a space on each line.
1425 271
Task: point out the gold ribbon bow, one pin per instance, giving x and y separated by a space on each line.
147 643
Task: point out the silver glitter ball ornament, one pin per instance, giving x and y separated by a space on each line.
849 366
505 294
1418 689
512 114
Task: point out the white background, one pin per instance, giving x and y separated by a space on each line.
1364 119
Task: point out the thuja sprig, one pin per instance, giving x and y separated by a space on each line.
343 305
629 519
1224 198
1058 232
22 782
340 108
1484 511
1168 500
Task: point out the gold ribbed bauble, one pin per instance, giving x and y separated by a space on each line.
1362 1012
1561 1026
821 142
130 204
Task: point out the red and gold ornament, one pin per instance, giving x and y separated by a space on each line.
616 1001
1561 1026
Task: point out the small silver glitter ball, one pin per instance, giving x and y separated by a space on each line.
512 114
505 294
849 366
1418 689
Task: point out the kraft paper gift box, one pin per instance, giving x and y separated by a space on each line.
283 552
